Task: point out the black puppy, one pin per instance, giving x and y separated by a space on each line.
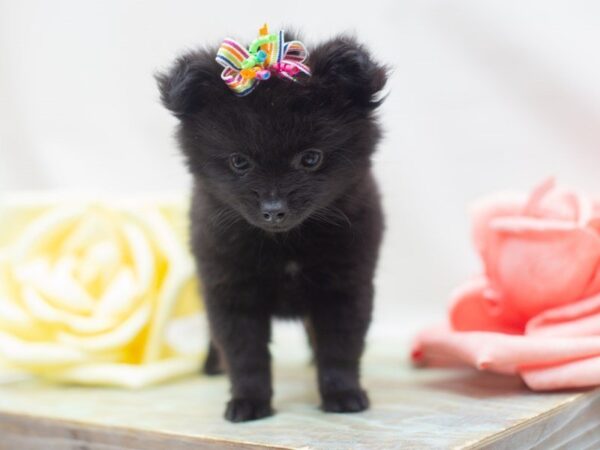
286 218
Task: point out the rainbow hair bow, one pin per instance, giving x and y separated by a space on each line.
268 55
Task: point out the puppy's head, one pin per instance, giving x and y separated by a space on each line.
287 150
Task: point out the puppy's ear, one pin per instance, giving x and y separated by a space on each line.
344 70
192 82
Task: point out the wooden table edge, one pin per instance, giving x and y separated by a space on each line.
498 439
19 427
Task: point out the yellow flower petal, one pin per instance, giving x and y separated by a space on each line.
56 284
14 218
113 339
178 271
44 311
39 308
37 353
98 264
89 290
187 335
11 313
120 295
141 254
45 231
88 325
130 375
93 226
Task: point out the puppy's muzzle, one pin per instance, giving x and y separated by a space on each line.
274 212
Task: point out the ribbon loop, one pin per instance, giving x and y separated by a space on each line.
268 55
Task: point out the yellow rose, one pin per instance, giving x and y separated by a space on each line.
97 292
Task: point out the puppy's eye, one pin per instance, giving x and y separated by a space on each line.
309 159
239 163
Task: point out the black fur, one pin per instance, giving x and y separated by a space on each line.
319 263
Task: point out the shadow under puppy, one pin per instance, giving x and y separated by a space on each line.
286 218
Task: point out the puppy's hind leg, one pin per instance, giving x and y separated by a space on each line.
311 339
213 364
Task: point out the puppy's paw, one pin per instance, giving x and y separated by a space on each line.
353 400
245 409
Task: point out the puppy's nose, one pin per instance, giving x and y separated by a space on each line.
273 211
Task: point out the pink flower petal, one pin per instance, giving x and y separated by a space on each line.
433 357
585 208
540 269
593 287
501 352
594 221
585 326
531 227
575 374
574 319
484 211
538 194
536 312
596 210
548 202
473 308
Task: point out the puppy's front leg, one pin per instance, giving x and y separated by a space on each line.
242 335
340 320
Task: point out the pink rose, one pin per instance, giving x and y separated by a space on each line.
536 309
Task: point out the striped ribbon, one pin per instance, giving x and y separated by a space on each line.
268 55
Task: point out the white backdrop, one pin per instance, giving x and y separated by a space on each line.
484 96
